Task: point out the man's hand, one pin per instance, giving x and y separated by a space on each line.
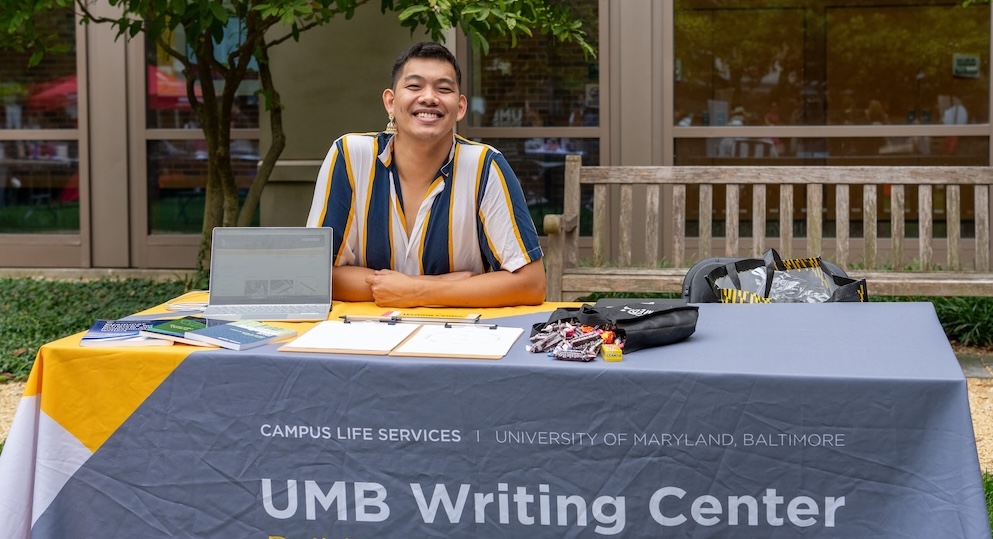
394 289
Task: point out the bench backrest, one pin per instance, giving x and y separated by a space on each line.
639 191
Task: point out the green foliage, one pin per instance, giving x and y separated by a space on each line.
23 28
988 488
35 311
968 321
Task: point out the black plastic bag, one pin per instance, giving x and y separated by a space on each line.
774 280
641 324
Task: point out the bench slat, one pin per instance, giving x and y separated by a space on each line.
600 213
652 211
723 175
815 219
842 211
625 224
786 220
706 219
953 218
679 225
731 220
982 208
869 232
897 224
925 204
758 219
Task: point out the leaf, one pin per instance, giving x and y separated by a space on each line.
411 11
219 12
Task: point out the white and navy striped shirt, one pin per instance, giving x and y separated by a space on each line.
474 217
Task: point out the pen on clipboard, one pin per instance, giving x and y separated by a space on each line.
413 319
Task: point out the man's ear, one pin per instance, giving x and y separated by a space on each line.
463 106
388 96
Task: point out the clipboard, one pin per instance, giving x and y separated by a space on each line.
371 337
470 341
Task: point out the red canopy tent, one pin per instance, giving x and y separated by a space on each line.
55 94
165 92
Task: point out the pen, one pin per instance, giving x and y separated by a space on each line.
393 319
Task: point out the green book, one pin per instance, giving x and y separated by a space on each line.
175 330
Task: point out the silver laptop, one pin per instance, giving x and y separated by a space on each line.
270 273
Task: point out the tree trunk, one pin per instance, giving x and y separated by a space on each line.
275 109
208 113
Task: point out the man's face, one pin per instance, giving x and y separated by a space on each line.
426 102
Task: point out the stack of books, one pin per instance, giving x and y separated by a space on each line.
192 330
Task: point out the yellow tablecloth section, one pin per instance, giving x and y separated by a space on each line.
92 404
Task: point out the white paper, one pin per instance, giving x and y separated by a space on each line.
460 340
358 337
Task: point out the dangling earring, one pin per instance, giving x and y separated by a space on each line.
391 126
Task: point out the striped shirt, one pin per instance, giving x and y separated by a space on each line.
474 217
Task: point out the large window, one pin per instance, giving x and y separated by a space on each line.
537 102
838 63
39 150
833 82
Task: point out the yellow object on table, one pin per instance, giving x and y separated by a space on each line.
611 352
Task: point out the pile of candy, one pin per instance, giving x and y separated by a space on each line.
568 341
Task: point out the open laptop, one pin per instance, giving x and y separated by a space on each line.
270 273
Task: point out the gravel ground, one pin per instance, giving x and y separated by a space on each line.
9 395
980 400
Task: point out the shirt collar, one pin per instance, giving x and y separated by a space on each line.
386 156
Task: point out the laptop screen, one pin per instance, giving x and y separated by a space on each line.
263 266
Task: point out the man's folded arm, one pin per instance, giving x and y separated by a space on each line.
525 286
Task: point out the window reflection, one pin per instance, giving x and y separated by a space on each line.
538 82
831 62
39 186
177 176
44 96
39 178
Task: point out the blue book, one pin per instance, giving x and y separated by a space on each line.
241 334
123 332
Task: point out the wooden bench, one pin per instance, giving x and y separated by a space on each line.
652 202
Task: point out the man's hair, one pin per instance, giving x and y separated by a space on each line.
426 49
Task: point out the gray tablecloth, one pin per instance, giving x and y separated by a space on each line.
834 420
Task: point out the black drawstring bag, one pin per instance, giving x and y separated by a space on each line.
640 324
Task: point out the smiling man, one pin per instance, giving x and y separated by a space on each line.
422 217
